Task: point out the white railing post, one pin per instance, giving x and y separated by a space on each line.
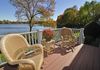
39 33
81 37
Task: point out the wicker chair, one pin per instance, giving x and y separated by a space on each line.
17 51
67 38
48 46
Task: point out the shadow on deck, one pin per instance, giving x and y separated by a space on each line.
88 58
84 57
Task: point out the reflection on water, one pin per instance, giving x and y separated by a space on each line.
16 28
13 28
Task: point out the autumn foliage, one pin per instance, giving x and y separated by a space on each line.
48 34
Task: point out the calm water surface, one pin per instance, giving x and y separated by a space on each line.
17 28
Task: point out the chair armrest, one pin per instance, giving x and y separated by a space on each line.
37 46
29 52
51 41
50 44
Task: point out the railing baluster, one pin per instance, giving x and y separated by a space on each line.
81 37
29 38
32 39
25 36
39 36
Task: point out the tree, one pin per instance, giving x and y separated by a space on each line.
71 15
69 18
59 21
88 12
32 10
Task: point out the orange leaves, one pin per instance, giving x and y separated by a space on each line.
48 34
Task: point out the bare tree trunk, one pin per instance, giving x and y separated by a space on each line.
30 23
30 29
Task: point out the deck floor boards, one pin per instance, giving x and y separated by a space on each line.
84 57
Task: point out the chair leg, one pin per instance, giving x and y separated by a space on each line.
45 53
72 49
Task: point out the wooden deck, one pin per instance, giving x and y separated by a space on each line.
84 57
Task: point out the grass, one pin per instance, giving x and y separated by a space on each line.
2 58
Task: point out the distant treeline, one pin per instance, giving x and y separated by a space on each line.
11 22
50 23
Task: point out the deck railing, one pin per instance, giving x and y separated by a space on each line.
36 36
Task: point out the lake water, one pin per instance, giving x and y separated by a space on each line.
13 28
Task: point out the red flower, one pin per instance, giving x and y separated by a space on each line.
48 34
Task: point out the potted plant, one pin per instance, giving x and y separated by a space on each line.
48 34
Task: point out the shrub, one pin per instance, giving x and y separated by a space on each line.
48 34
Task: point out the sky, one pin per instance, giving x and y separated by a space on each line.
7 11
